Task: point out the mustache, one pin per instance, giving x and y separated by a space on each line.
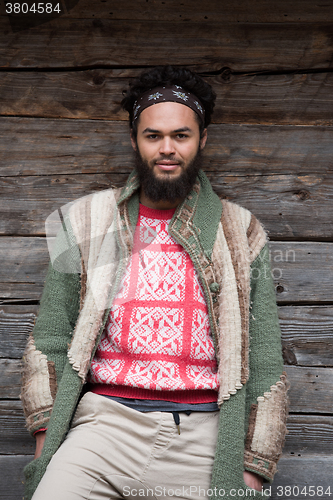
167 158
167 189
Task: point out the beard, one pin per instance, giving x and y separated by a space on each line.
168 189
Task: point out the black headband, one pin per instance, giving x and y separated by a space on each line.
172 93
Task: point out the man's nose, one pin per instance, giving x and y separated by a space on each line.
167 146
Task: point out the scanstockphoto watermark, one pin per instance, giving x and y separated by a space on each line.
191 492
278 260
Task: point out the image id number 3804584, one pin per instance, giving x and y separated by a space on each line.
303 491
35 8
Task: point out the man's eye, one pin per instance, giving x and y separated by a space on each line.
181 136
152 136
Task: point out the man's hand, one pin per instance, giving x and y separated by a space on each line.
253 480
40 438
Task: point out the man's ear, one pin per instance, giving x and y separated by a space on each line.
203 139
133 140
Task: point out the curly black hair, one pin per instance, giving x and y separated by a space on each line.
170 75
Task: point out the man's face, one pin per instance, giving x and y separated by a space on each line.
167 145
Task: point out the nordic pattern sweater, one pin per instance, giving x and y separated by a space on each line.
156 343
228 248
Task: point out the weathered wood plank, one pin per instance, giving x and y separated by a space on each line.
303 271
301 99
263 149
285 204
30 146
69 42
26 202
10 378
308 435
16 322
11 479
307 334
81 94
291 206
282 11
291 99
26 263
303 472
14 437
311 389
35 147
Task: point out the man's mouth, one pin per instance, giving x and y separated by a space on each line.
167 164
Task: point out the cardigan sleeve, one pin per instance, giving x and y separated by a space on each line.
46 351
266 389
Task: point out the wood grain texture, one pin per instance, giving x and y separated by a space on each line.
30 146
39 196
261 149
11 479
24 274
14 437
16 322
303 271
310 390
290 99
69 42
10 378
282 11
290 206
308 435
38 147
300 472
307 335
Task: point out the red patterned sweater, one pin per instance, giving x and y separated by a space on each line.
156 343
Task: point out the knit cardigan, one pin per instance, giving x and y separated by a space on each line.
228 248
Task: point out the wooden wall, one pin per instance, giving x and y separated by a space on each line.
270 148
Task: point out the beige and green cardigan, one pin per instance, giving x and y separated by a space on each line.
228 247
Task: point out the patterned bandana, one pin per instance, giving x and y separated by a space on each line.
172 93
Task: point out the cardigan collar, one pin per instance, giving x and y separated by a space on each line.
201 209
194 226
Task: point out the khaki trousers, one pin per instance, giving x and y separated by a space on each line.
115 452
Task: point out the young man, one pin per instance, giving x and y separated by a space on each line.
169 334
